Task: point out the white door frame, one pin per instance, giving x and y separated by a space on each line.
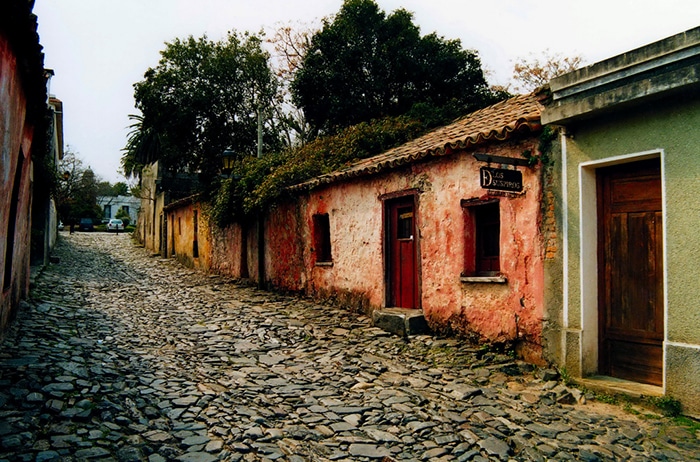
588 253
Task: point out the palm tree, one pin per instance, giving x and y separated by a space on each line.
142 147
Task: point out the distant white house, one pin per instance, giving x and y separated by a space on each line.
110 205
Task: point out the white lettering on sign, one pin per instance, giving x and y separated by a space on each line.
495 178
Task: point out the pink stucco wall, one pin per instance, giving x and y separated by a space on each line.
510 312
16 137
285 244
355 216
224 244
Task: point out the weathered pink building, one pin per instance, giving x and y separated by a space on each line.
450 223
22 137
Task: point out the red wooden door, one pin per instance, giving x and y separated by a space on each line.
402 258
630 252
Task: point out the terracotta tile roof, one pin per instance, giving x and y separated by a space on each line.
498 122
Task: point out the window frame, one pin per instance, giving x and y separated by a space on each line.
479 216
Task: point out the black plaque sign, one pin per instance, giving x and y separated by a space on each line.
501 179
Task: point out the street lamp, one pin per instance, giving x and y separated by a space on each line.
228 159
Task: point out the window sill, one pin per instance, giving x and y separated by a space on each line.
324 263
484 279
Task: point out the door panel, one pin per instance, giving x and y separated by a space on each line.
631 272
402 275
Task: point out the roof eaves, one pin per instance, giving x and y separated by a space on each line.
526 107
185 201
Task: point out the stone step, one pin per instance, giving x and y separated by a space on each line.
401 321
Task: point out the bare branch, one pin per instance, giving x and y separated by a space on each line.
533 72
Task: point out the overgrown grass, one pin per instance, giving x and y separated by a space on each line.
668 405
665 405
566 377
691 424
607 398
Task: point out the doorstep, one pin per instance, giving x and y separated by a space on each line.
400 321
612 385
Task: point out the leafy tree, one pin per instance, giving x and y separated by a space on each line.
69 170
534 72
77 190
137 192
85 195
120 189
365 65
124 216
104 188
202 98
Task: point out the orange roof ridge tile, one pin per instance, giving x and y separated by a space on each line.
496 122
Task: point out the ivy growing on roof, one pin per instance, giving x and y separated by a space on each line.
257 183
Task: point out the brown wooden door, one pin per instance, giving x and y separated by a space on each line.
630 252
402 269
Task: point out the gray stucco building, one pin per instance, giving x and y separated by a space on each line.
629 210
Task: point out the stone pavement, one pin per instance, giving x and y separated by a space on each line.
121 356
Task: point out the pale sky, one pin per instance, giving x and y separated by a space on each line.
100 48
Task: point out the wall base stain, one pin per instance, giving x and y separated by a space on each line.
355 302
525 346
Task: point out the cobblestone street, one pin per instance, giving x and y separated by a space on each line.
122 356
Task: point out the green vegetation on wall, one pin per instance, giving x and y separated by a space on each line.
256 183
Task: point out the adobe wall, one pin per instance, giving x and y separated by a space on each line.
509 312
15 141
504 313
229 251
287 241
179 242
151 226
356 276
145 224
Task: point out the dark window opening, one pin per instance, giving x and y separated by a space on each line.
195 245
488 237
322 238
404 223
482 245
172 234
